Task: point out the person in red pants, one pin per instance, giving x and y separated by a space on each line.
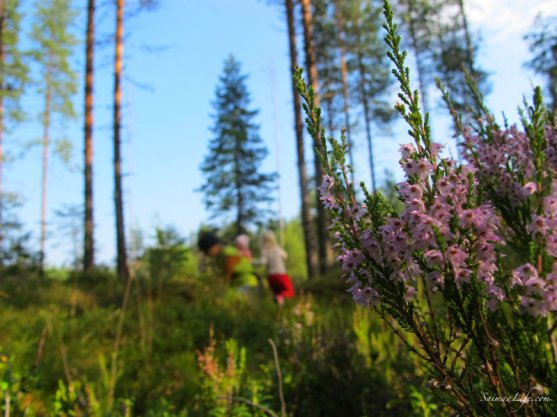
273 257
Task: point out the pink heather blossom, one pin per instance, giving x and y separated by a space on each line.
551 245
523 273
329 201
496 296
550 204
410 191
461 275
445 186
409 294
456 256
326 185
420 167
350 260
358 211
443 229
528 189
406 150
435 279
436 149
539 224
434 257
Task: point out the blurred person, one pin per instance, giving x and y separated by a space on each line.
242 244
236 268
273 257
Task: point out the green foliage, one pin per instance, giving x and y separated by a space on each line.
169 258
14 72
16 255
234 188
55 47
294 247
171 364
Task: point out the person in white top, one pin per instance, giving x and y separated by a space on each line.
273 257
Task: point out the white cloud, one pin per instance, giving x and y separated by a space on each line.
506 19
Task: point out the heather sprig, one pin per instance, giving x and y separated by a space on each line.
441 272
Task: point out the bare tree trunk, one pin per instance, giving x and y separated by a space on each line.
240 198
121 253
367 120
46 129
322 223
307 222
467 38
344 78
2 58
88 247
417 55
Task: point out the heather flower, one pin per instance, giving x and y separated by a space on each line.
329 201
410 191
409 294
326 185
407 149
528 189
434 257
450 239
358 211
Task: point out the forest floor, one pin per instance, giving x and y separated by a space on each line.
194 347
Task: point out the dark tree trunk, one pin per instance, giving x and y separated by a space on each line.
311 67
121 255
417 55
467 38
88 247
344 78
307 222
367 119
2 59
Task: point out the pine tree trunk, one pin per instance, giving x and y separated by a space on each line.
344 79
367 120
46 129
121 253
88 246
2 59
417 55
322 223
467 38
307 222
240 200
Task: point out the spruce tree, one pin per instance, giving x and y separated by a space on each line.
234 185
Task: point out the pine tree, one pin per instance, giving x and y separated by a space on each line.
234 183
88 236
543 45
455 57
419 19
13 79
328 70
307 222
324 247
370 79
58 84
121 252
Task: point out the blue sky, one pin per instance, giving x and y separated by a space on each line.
167 117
